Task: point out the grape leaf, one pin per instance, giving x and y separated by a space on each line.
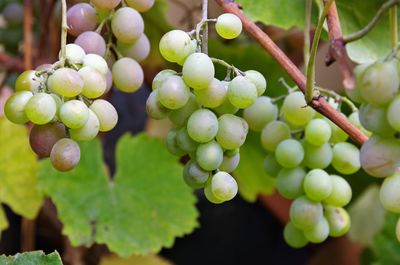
32 258
18 169
142 209
134 260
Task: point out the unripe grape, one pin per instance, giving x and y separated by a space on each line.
374 119
317 185
338 219
41 108
106 113
74 114
160 77
318 132
42 138
273 134
127 75
27 81
317 156
175 45
194 176
209 156
305 213
91 42
65 82
97 62
341 192
262 112
346 158
289 153
89 131
172 143
232 131
212 96
223 186
140 5
338 135
295 109
209 195
106 4
198 71
154 108
392 113
258 80
74 53
173 93
184 141
289 182
294 237
139 50
230 163
354 119
355 93
228 26
242 93
65 155
202 126
389 194
14 108
94 83
180 116
319 233
80 18
271 166
127 24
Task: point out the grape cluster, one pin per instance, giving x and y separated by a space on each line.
203 109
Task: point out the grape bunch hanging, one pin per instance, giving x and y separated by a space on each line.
63 100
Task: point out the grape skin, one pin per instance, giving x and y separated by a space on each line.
212 96
106 4
223 186
232 131
230 163
374 119
65 155
209 195
180 116
89 131
338 220
65 82
389 194
184 141
198 71
160 77
175 46
271 166
392 113
262 112
209 156
91 42
172 144
140 5
139 50
14 108
317 156
294 237
341 192
317 185
289 182
173 93
41 108
202 126
194 176
258 80
346 158
273 134
228 26
319 233
317 132
97 62
106 113
242 93
154 108
127 24
94 83
127 75
42 138
74 114
27 81
80 18
74 53
304 213
289 153
295 109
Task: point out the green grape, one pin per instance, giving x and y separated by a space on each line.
194 176
289 153
106 113
392 113
198 71
223 186
228 26
230 163
184 141
74 114
65 82
305 213
262 112
293 236
398 230
338 220
242 93
89 131
140 5
271 166
346 158
338 135
14 108
317 185
209 156
319 233
74 53
202 126
318 132
154 108
127 24
354 119
289 182
27 81
295 109
106 4
42 138
374 119
341 192
41 108
273 134
173 93
97 62
172 143
94 83
226 107
213 96
232 131
180 116
209 195
379 83
160 78
59 103
355 93
389 194
109 81
258 80
175 45
193 49
65 155
317 156
127 75
139 50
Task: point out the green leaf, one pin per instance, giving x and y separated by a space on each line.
18 169
32 258
142 209
134 260
250 173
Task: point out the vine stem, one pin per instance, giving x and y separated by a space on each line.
309 93
338 98
64 29
319 104
394 36
307 29
227 65
204 16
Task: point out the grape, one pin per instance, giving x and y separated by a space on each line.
109 81
154 108
228 26
346 158
13 13
173 93
230 163
355 94
80 18
274 133
194 176
262 112
172 144
127 24
317 156
139 50
354 119
209 156
317 185
94 83
89 131
74 53
58 102
338 135
140 5
202 126
97 62
338 220
223 186
232 131
258 80
319 233
242 93
289 153
192 49
27 81
65 82
106 113
14 108
317 132
271 166
184 141
65 155
374 119
389 193
74 114
198 71
294 237
289 182
42 138
295 109
209 195
127 75
379 83
392 113
226 108
304 213
213 96
180 116
160 78
106 4
341 192
380 156
175 46
41 108
91 42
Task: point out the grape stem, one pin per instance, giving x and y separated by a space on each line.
338 98
204 16
307 29
394 36
203 40
64 29
227 65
